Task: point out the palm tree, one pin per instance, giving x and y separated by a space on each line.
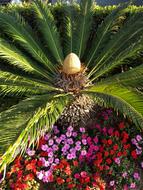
37 59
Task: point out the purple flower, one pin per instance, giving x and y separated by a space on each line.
73 150
47 136
70 128
50 154
78 143
69 156
50 160
124 175
57 161
82 129
78 147
30 152
40 175
55 147
132 185
83 152
68 133
139 138
62 137
56 131
136 176
51 142
134 141
74 134
70 141
65 148
117 161
112 183
58 140
44 147
138 151
84 142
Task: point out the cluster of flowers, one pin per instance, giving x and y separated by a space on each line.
106 155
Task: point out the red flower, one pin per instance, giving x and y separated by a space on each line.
116 133
68 180
121 125
43 154
125 135
75 163
39 163
71 186
119 154
67 170
109 161
134 154
115 147
28 177
109 141
127 146
87 179
60 180
112 152
124 153
106 153
87 188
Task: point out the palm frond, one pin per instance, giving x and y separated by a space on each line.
48 29
84 26
126 101
16 27
124 44
103 34
28 120
130 79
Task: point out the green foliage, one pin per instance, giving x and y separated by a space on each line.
34 41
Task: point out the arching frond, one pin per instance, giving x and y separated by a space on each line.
84 26
48 29
15 26
130 79
27 120
121 99
124 44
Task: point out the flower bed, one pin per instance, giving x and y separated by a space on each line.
106 155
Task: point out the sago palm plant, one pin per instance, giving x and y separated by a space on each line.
55 73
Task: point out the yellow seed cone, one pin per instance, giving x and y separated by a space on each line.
72 64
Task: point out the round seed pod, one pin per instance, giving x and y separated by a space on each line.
72 64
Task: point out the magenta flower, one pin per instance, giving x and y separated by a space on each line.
132 185
77 175
95 140
83 174
117 161
96 148
78 147
136 176
57 160
51 160
134 141
70 128
69 156
47 136
58 140
82 129
50 154
55 147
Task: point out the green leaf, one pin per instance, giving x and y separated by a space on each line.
28 119
126 101
48 29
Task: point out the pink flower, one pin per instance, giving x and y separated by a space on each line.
78 147
96 148
74 134
136 176
82 129
83 152
68 133
30 152
139 138
57 161
69 156
70 141
58 140
141 164
110 131
78 143
50 154
84 142
77 175
117 161
95 139
51 142
50 160
44 147
55 147
83 174
70 128
40 175
125 187
112 183
132 185
124 175
47 136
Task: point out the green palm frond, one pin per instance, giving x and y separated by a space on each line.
121 99
124 44
48 29
15 26
103 34
130 79
27 120
84 26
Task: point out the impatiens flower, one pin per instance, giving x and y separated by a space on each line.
78 147
57 161
83 174
83 152
51 142
142 164
84 142
95 139
139 138
69 156
30 152
74 134
47 136
136 176
132 185
70 141
117 161
124 175
70 128
68 133
60 180
82 129
44 147
77 175
50 160
40 174
55 147
112 183
134 141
